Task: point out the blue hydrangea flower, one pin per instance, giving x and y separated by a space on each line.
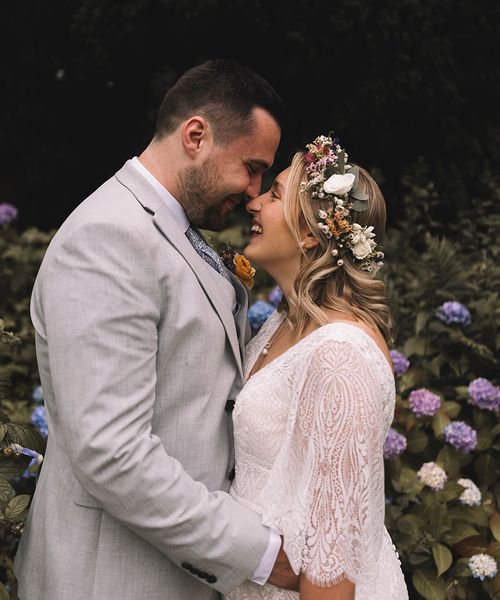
258 314
400 363
39 420
394 445
37 394
453 312
275 296
36 460
8 213
484 394
424 403
461 436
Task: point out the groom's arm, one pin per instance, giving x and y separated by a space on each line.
98 306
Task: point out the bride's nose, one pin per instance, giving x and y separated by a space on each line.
254 205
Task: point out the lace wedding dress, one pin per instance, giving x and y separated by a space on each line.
309 433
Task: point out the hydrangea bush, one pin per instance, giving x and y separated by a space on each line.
22 444
443 492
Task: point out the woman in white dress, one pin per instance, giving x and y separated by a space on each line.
311 420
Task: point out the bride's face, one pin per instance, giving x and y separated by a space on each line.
271 242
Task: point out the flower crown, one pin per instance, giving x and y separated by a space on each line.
330 179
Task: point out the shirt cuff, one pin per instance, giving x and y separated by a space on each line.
262 572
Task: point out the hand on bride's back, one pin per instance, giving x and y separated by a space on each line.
282 575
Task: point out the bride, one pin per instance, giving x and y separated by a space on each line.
311 420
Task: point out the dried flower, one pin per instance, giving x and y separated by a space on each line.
424 403
453 312
432 475
461 436
400 363
484 394
394 445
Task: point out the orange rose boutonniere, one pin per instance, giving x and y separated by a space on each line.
238 264
244 270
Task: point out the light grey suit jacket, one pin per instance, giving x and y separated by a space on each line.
138 352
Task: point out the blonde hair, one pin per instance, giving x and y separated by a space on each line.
320 281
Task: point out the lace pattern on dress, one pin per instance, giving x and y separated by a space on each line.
309 431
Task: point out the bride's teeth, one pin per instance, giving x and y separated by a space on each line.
256 228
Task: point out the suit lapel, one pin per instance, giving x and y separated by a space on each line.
165 223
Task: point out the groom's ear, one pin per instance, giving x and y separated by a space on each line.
196 136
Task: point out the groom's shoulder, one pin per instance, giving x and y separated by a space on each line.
112 203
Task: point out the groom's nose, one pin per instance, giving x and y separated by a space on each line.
253 189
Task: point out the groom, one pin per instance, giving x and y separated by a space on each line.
139 332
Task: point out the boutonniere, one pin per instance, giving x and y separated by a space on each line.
238 264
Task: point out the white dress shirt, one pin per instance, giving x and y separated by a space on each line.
263 570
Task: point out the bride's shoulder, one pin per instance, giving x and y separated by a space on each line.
353 337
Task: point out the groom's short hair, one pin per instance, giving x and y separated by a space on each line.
224 92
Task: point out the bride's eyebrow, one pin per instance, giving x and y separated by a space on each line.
279 186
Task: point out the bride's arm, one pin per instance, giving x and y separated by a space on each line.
341 591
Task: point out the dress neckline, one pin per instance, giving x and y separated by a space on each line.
308 336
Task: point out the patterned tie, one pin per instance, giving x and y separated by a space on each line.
206 252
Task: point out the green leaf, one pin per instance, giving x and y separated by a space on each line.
6 491
417 441
452 409
460 531
486 469
439 422
474 515
421 321
4 594
415 345
428 586
3 431
442 557
495 526
16 507
12 466
28 437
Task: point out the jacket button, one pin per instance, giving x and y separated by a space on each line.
229 406
211 579
232 474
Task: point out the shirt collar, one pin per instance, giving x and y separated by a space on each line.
172 204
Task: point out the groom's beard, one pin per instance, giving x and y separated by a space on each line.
202 196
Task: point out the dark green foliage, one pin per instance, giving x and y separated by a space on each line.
394 79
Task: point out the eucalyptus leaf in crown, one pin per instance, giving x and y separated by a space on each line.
334 182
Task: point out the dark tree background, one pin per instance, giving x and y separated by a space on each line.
395 79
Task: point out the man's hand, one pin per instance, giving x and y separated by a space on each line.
282 575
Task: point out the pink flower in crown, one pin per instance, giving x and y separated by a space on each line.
308 158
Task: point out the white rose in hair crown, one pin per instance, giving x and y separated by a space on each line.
340 196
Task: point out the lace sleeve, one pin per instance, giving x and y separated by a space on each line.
331 510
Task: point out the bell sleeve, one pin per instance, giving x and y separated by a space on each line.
325 493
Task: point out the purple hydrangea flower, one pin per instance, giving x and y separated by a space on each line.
461 436
424 403
37 394
39 420
258 314
453 312
275 296
7 213
395 444
484 394
399 362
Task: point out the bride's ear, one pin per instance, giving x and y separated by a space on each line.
308 242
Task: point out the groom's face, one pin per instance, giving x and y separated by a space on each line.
230 175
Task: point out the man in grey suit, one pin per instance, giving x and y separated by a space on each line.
139 333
